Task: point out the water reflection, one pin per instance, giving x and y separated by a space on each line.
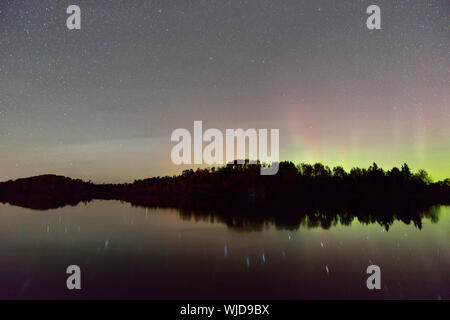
128 251
312 218
247 217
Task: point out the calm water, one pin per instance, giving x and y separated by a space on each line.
133 252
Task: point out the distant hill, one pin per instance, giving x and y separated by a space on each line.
44 185
46 191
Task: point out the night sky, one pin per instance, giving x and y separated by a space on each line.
101 103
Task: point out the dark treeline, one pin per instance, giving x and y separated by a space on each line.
242 186
301 185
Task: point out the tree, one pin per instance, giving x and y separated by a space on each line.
406 172
423 176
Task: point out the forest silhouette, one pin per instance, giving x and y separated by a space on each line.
236 194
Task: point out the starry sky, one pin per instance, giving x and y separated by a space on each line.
101 103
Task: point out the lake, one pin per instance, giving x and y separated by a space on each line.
130 252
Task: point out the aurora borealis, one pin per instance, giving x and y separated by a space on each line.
100 103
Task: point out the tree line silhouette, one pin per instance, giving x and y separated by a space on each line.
300 185
241 186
